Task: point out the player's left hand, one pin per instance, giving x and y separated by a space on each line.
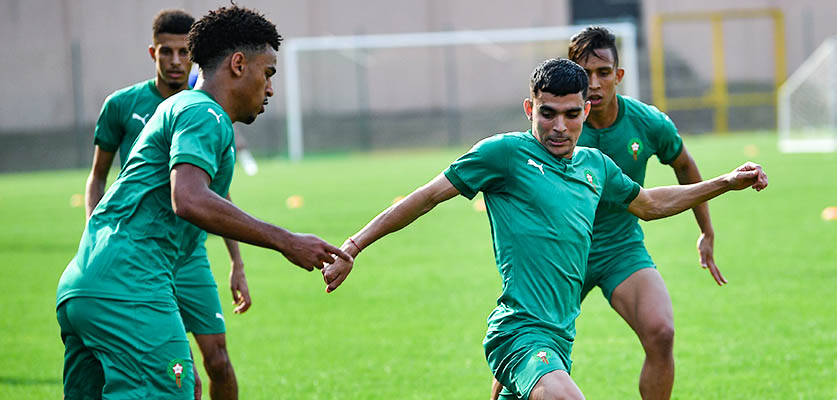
706 249
238 286
335 273
747 175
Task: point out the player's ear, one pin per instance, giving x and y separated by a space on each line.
152 52
620 72
237 63
587 106
527 108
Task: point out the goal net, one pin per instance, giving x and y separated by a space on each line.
432 89
808 104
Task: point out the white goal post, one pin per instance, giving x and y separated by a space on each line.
807 104
625 32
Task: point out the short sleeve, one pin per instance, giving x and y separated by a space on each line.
109 131
669 143
483 168
199 138
618 190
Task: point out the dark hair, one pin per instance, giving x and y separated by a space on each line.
177 22
229 29
560 77
585 43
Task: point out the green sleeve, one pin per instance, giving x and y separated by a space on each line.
109 131
199 138
618 190
669 143
483 168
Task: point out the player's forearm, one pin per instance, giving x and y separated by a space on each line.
93 192
217 215
689 174
232 248
393 219
666 201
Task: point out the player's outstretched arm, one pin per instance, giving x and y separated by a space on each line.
238 281
687 172
390 220
193 201
94 189
664 201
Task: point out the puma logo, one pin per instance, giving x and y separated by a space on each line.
141 119
217 116
536 165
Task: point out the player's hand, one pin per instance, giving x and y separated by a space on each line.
239 288
334 274
198 387
706 249
747 175
310 252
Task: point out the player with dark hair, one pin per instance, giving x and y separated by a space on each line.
541 193
630 132
124 114
116 303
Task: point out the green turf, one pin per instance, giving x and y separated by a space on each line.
409 322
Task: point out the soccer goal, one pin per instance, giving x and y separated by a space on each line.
808 104
420 89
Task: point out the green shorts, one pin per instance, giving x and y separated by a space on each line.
117 349
520 359
609 269
197 295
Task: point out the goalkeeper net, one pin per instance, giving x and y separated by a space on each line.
808 104
369 92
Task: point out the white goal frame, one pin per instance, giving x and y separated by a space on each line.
788 144
626 32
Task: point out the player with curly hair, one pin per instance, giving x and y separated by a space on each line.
115 302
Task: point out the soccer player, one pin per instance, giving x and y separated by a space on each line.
115 302
123 115
541 192
630 132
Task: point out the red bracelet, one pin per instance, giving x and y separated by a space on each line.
358 247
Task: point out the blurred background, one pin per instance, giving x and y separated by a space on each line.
714 66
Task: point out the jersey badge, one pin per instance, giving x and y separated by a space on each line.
536 165
635 147
591 179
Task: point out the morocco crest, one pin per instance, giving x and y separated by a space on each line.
175 370
635 147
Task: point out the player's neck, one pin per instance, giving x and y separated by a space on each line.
220 94
605 117
166 90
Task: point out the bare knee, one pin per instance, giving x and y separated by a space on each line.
215 359
659 337
556 385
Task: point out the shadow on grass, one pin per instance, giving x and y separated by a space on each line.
20 381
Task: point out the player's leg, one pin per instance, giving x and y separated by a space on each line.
556 385
643 302
83 374
141 347
520 360
200 309
216 361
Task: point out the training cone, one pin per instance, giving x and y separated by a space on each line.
829 214
479 205
294 201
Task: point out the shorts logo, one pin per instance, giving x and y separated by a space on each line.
542 355
175 370
635 147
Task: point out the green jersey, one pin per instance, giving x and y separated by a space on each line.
124 114
541 210
639 132
133 238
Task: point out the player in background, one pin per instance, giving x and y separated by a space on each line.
115 303
124 114
541 194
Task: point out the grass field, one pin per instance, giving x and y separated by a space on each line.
409 322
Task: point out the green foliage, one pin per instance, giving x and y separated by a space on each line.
409 321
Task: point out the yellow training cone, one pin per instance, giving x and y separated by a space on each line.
479 205
397 199
751 150
294 201
829 214
76 200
